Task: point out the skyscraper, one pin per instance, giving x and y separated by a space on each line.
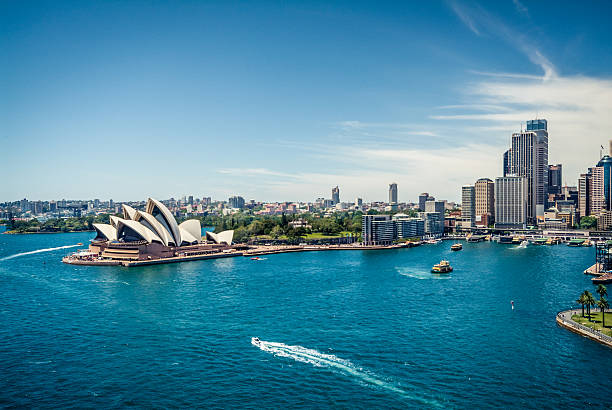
555 178
540 127
511 202
485 201
529 159
335 195
435 207
597 197
584 181
468 206
606 163
507 162
424 197
393 193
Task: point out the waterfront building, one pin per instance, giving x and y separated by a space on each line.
468 206
377 230
604 220
408 227
484 197
529 159
335 195
511 202
424 197
236 202
555 175
437 207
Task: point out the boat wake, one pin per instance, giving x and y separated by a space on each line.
318 359
37 251
422 275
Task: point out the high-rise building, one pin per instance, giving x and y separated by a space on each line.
468 206
485 201
236 202
511 202
529 159
507 162
584 181
424 197
437 208
393 193
555 177
606 163
377 230
335 195
358 202
597 197
407 227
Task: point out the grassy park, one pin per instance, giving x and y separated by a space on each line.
596 322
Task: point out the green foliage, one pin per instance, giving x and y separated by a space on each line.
84 223
588 222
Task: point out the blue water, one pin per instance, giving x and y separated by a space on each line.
344 329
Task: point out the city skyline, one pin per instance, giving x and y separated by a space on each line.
285 117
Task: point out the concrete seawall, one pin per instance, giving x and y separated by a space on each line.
564 319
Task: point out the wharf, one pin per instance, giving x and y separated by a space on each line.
146 262
270 250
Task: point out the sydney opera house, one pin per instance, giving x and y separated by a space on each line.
150 235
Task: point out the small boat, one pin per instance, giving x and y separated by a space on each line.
256 258
587 243
255 341
79 244
456 247
442 267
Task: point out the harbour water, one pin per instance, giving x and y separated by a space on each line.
350 329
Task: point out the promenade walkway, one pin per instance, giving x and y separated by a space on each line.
564 319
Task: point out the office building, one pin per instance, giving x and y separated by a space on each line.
507 162
583 195
484 198
335 195
597 197
555 175
511 202
358 202
529 159
408 227
606 163
393 194
377 230
433 207
468 206
424 197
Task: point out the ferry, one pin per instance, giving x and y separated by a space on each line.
587 243
575 242
456 247
442 267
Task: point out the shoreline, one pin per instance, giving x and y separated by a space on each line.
564 320
40 233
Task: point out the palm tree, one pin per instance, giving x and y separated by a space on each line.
602 304
602 291
581 302
589 301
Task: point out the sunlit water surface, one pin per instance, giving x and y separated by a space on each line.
348 329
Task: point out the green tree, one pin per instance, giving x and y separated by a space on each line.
588 222
241 234
581 301
276 232
589 301
602 304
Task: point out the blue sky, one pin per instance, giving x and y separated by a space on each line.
282 101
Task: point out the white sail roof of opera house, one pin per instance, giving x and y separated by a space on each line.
221 237
155 224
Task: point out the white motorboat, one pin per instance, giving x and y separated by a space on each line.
255 341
